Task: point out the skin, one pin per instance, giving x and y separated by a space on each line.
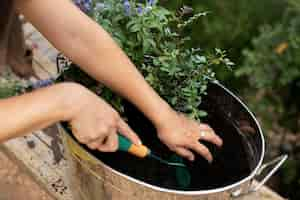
93 121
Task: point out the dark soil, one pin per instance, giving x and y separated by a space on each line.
233 162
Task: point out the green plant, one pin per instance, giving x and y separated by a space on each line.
10 86
153 38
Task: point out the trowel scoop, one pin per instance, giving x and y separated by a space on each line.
182 173
142 151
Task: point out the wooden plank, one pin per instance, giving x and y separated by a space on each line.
38 158
16 183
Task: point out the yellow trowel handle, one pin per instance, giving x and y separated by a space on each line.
126 145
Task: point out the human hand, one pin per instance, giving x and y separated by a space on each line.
95 123
183 135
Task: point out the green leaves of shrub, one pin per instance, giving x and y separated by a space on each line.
152 37
10 86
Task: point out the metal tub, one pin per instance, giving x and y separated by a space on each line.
91 179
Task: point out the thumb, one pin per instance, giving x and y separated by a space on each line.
125 130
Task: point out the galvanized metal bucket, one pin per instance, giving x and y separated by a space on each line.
91 179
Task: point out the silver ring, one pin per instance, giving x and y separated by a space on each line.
202 134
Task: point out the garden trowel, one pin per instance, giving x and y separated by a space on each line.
183 175
142 151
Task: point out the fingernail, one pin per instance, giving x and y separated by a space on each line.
140 143
221 144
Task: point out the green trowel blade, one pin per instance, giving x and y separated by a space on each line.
183 175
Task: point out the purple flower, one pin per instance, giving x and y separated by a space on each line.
127 7
151 2
42 83
84 5
140 9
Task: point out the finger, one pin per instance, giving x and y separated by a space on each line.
95 144
97 136
200 149
208 134
185 153
84 139
211 137
125 130
90 136
203 126
110 144
107 145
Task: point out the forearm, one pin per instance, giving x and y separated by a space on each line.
88 45
26 113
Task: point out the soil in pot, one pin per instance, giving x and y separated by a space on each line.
231 163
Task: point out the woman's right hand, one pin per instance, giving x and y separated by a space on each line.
94 122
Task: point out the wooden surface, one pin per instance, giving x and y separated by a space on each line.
41 152
16 184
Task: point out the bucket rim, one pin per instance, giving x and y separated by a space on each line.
200 192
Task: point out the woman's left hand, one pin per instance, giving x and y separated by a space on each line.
183 136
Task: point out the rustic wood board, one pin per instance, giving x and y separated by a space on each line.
41 152
38 158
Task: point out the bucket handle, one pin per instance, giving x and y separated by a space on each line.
279 160
253 188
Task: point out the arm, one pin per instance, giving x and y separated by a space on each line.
88 45
23 114
64 102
